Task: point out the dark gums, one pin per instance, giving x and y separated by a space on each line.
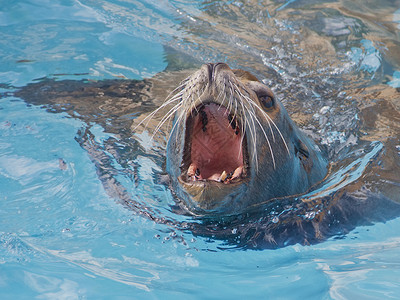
204 119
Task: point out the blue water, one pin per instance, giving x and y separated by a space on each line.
64 236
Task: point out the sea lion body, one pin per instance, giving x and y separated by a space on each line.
119 106
233 145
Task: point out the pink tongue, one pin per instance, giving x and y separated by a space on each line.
215 145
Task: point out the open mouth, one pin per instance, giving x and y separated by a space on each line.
215 146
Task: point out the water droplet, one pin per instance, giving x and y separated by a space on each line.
310 215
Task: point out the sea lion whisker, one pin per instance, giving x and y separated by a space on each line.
254 138
241 95
223 101
219 95
251 128
268 142
175 98
269 120
188 105
182 84
276 127
178 122
243 134
252 116
232 119
170 113
178 94
231 101
173 94
224 93
192 103
247 123
172 100
249 102
236 106
254 135
148 118
242 123
253 103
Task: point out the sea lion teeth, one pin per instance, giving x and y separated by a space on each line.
223 176
193 173
237 173
192 170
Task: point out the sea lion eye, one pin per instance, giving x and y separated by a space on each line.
266 101
263 93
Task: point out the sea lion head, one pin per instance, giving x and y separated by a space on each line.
233 145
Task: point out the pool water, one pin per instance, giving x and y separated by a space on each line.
83 211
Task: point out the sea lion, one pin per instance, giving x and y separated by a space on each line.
233 145
236 200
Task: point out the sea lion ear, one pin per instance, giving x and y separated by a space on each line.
244 76
302 152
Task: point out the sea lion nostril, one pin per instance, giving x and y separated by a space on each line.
210 71
212 68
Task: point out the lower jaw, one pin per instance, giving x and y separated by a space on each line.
210 197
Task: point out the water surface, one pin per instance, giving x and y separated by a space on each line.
83 210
